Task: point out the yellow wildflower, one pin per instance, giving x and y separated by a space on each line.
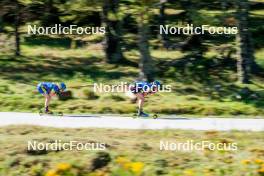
137 167
188 172
207 171
122 160
261 170
245 161
51 173
63 166
259 161
127 165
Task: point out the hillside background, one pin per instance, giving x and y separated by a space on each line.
209 74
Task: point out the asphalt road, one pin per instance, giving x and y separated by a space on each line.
115 121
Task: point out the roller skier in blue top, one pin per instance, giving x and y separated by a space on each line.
48 90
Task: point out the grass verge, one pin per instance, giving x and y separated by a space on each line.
128 152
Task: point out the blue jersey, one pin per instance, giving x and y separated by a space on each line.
47 87
142 87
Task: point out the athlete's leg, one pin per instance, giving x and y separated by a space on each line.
47 101
140 99
42 92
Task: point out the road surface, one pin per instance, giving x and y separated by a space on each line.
103 121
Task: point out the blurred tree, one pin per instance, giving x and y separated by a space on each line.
245 54
3 11
193 42
113 24
16 13
17 24
13 13
45 12
51 12
224 4
146 65
143 10
162 19
76 11
1 22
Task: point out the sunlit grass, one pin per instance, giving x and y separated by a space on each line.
194 84
59 52
166 55
260 57
257 12
128 152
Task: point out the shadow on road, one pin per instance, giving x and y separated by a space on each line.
84 116
122 117
171 118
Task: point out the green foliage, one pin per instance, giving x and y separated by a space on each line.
201 85
90 95
101 160
115 97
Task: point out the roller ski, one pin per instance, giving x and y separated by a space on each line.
49 113
138 92
145 115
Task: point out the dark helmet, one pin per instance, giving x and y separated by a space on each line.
62 86
156 83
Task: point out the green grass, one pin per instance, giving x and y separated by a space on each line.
193 86
260 57
205 86
134 146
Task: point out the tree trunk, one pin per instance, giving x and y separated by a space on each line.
187 5
194 42
145 63
224 4
17 34
51 14
162 19
73 44
1 24
113 32
245 57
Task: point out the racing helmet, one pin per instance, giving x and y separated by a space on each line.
62 86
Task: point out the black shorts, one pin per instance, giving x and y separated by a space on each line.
136 91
